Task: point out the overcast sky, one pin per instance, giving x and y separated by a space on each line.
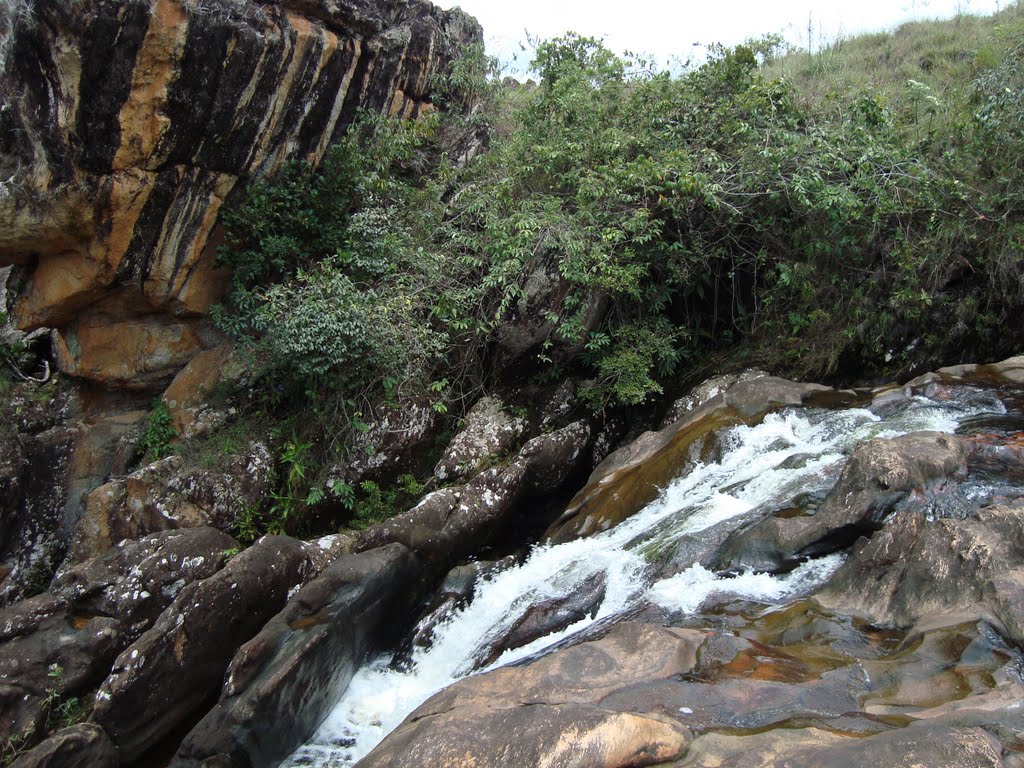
669 30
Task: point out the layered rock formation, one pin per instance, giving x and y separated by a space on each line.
126 125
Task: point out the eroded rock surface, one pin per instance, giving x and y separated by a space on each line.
280 684
550 712
170 494
133 122
179 663
80 746
879 476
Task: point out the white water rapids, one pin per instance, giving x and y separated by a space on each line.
762 468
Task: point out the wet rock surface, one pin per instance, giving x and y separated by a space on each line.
878 477
179 663
630 477
80 746
280 684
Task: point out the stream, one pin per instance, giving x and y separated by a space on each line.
761 470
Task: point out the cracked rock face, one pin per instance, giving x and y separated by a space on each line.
126 124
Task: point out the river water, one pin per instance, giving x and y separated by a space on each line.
762 469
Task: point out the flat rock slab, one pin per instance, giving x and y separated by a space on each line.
550 712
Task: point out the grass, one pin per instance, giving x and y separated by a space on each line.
943 56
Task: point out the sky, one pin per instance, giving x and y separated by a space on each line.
672 32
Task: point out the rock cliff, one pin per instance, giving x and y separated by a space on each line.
126 124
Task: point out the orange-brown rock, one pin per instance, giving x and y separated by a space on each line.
136 121
550 712
193 384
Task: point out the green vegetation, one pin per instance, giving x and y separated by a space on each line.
850 213
156 440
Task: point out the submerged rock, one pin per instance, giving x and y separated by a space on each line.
631 476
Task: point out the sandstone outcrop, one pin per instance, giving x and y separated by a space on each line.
126 125
550 712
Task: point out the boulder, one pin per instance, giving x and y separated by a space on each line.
631 477
562 736
169 494
551 615
178 664
550 711
80 746
917 568
186 396
395 438
880 475
48 652
452 523
488 435
282 683
137 580
551 458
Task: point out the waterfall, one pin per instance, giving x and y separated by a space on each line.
761 469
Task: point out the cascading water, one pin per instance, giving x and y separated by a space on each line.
762 468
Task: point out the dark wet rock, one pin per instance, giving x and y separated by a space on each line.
551 615
489 433
37 518
880 475
916 567
549 712
455 591
281 684
630 477
169 494
450 524
137 580
178 664
80 746
552 458
47 650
